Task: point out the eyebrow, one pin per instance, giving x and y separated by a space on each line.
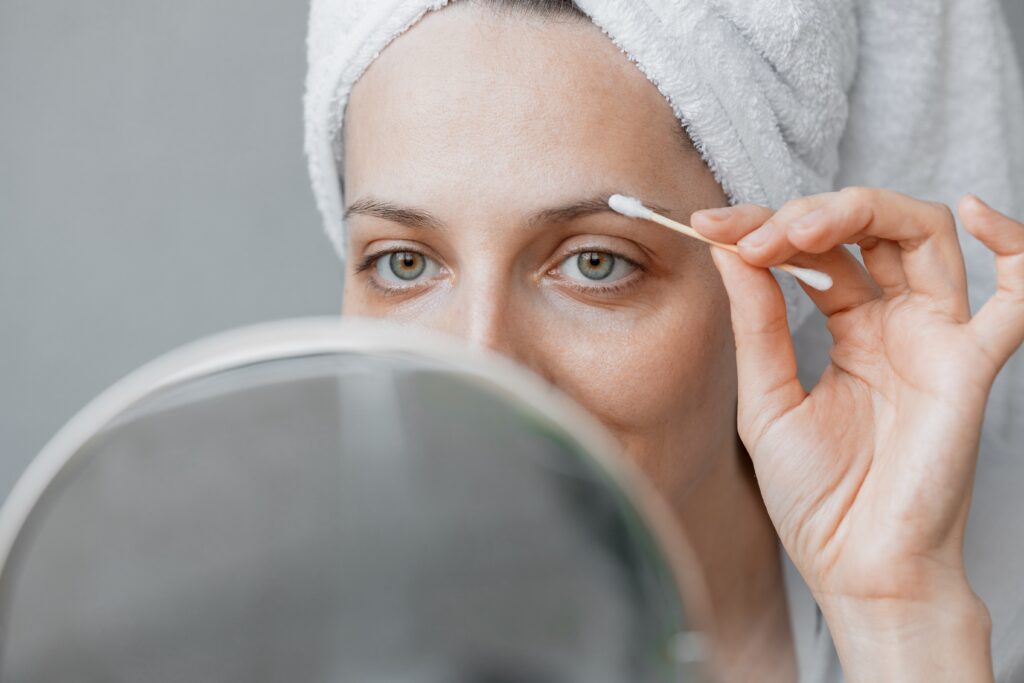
418 218
572 211
414 218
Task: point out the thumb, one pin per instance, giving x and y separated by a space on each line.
999 325
765 362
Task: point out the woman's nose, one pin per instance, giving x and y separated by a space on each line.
485 317
491 317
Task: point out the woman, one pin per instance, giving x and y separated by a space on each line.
477 152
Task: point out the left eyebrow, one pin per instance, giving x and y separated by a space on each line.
414 218
580 209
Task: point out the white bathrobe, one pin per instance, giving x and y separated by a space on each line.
785 98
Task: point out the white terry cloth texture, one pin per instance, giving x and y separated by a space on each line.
784 98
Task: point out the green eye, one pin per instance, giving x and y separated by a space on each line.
400 269
595 265
596 268
407 265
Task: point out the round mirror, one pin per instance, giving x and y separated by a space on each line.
329 501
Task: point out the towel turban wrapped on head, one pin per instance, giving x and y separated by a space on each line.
784 98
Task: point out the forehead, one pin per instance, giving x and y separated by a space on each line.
478 98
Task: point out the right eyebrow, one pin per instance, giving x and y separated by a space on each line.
413 218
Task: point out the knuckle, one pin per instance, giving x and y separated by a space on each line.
753 212
798 206
857 194
1011 290
944 215
770 328
859 203
810 242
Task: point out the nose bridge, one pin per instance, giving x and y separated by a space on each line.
487 312
489 308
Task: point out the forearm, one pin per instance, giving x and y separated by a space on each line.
890 640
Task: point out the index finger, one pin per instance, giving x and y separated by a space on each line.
925 232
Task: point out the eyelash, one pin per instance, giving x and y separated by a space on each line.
616 287
370 260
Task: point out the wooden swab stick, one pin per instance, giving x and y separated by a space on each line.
634 208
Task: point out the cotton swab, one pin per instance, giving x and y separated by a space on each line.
634 208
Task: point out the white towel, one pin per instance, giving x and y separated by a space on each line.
791 97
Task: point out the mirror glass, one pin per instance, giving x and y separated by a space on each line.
338 516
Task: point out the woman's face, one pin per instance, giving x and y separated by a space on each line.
480 149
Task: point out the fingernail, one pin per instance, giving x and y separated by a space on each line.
978 200
807 222
719 214
759 237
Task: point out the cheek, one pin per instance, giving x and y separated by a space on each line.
661 376
353 297
662 383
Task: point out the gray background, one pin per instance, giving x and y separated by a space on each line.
152 191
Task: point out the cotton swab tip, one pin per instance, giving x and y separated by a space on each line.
628 206
812 278
634 208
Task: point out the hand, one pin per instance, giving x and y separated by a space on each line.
868 477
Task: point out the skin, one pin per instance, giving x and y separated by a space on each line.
868 477
481 146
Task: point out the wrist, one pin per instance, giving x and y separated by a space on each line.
888 639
